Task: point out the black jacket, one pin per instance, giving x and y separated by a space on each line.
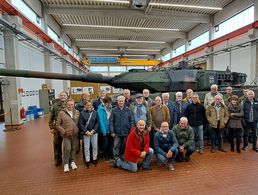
247 108
195 114
93 123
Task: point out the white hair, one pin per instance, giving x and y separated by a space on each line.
179 93
183 119
165 94
214 86
121 97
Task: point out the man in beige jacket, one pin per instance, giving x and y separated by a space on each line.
66 124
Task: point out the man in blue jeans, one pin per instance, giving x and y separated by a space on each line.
137 150
165 146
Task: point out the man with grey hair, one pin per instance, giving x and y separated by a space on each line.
217 116
179 108
121 121
146 97
128 98
188 98
170 105
228 96
209 97
185 137
99 100
250 107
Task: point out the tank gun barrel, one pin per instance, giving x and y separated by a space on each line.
87 77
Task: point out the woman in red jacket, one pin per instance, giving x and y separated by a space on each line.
137 149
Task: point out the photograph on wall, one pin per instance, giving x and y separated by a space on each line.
106 88
31 92
88 89
117 90
76 90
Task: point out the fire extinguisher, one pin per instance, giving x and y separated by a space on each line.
22 113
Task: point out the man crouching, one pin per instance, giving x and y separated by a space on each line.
137 149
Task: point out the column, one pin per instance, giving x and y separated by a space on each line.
11 97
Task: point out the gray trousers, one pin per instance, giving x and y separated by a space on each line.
69 145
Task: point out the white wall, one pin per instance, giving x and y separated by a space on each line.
56 84
2 58
30 58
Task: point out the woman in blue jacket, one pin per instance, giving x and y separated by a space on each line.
104 112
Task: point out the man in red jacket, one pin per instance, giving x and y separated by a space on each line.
137 150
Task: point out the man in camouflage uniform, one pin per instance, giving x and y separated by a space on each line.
57 107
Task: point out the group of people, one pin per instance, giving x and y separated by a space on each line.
132 130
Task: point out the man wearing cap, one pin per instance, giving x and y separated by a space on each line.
140 110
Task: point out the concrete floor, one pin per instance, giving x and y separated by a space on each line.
27 167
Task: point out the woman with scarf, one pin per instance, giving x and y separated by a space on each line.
235 123
89 125
104 112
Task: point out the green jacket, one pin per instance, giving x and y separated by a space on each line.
57 107
185 137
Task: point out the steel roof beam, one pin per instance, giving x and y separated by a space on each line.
129 13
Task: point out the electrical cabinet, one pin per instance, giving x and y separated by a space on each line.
46 99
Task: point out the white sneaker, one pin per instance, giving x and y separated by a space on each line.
66 168
73 166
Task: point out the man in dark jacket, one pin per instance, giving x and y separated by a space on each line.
195 113
250 107
99 100
165 146
137 150
121 121
85 97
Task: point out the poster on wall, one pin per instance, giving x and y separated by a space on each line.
76 90
117 90
88 89
105 88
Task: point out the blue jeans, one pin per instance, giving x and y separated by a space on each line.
131 166
198 134
163 159
94 142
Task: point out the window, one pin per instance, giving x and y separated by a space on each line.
166 57
117 68
27 11
53 35
200 40
67 48
135 67
178 51
99 68
238 21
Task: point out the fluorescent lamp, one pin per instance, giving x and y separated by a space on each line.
114 1
120 27
186 6
99 49
142 50
121 41
116 55
109 49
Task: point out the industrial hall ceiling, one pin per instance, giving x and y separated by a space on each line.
133 27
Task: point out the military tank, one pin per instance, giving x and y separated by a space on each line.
166 80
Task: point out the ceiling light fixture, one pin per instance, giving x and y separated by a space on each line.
121 41
109 49
112 55
114 1
120 27
186 6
